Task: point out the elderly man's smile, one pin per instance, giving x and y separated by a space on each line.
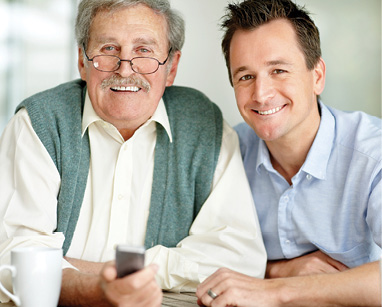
125 89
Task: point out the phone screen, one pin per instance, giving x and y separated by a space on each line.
129 259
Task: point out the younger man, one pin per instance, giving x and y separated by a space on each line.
315 172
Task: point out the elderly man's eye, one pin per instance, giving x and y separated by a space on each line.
108 48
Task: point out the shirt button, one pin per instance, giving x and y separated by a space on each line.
287 242
286 198
309 177
120 197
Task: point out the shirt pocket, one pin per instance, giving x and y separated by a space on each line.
353 257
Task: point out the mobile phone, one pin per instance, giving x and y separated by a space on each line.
129 259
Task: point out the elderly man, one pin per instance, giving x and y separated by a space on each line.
121 156
314 171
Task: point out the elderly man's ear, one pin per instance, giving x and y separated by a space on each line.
174 68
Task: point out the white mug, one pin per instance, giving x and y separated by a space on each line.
36 276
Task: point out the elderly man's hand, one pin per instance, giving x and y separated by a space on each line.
137 289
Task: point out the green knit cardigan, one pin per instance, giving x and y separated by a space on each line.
183 168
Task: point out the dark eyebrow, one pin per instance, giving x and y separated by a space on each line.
240 69
277 62
268 63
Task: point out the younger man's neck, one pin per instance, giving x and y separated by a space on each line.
289 153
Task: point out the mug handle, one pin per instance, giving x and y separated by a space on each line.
13 297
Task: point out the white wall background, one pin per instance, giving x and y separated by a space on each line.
351 46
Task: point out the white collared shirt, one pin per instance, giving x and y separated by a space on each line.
117 202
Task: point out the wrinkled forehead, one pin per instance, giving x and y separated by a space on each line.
130 21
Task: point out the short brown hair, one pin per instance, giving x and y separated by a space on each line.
250 14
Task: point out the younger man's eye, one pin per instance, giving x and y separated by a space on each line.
246 77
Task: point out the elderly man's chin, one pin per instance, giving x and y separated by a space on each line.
124 105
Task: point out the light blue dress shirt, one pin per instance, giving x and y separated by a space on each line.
334 202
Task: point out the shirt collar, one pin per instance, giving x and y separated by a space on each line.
160 116
263 157
318 157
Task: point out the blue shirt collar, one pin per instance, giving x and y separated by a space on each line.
263 157
317 160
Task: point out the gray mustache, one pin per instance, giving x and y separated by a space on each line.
132 80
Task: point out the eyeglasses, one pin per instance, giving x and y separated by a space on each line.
140 65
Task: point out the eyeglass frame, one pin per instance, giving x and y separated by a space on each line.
130 61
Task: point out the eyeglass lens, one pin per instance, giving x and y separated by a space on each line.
112 63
